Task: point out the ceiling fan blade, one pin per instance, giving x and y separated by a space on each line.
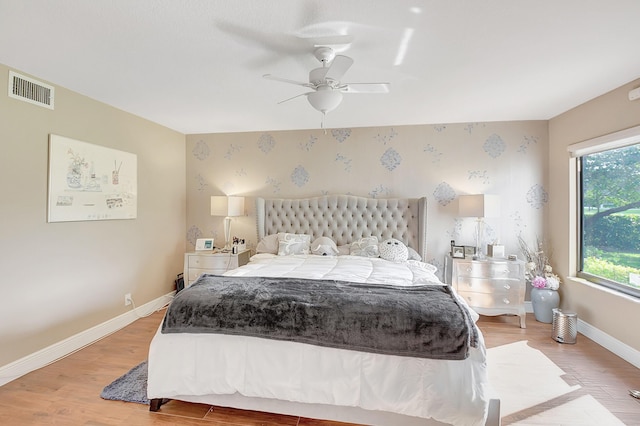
296 96
283 44
286 80
279 43
331 40
338 67
365 88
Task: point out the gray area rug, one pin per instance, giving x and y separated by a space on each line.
131 387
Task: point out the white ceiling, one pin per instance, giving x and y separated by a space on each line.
196 66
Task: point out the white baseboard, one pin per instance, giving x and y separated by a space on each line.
608 342
78 341
614 345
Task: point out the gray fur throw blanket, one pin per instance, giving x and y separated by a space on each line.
423 321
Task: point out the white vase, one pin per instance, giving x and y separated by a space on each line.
74 180
544 301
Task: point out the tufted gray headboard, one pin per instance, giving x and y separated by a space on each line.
346 218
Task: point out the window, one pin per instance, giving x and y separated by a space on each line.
609 209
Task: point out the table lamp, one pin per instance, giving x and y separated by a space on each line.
227 206
479 206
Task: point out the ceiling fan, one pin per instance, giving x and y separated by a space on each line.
325 81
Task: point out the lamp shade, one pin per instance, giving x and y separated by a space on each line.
235 206
479 205
228 206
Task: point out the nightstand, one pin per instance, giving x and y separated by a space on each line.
206 262
490 286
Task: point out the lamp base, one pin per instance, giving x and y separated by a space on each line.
227 234
479 233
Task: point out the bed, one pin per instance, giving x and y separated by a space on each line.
329 382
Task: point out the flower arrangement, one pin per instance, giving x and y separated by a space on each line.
77 162
537 269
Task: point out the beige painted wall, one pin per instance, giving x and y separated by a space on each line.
58 279
608 311
437 161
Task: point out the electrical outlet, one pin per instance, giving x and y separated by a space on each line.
127 299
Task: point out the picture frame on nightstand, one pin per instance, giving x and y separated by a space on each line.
203 244
457 252
469 251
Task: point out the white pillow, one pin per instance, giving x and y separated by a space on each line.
268 244
324 246
413 255
367 247
289 244
427 267
393 250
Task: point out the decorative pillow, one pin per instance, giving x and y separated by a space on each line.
393 250
367 247
413 255
289 244
324 246
268 244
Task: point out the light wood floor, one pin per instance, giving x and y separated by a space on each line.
68 392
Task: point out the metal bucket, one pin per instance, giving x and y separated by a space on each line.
564 326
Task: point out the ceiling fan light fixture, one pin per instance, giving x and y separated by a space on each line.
325 100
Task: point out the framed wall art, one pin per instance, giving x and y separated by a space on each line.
90 182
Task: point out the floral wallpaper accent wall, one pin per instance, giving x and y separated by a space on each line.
439 162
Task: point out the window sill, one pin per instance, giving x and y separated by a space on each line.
604 289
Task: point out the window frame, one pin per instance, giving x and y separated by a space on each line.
578 151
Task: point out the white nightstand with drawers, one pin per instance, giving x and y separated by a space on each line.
206 262
490 286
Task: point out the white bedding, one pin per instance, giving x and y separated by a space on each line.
187 366
346 268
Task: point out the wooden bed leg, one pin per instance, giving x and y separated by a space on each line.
154 404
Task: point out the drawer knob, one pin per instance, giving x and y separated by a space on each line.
507 286
506 301
469 269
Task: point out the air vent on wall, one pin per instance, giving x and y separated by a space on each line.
30 90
